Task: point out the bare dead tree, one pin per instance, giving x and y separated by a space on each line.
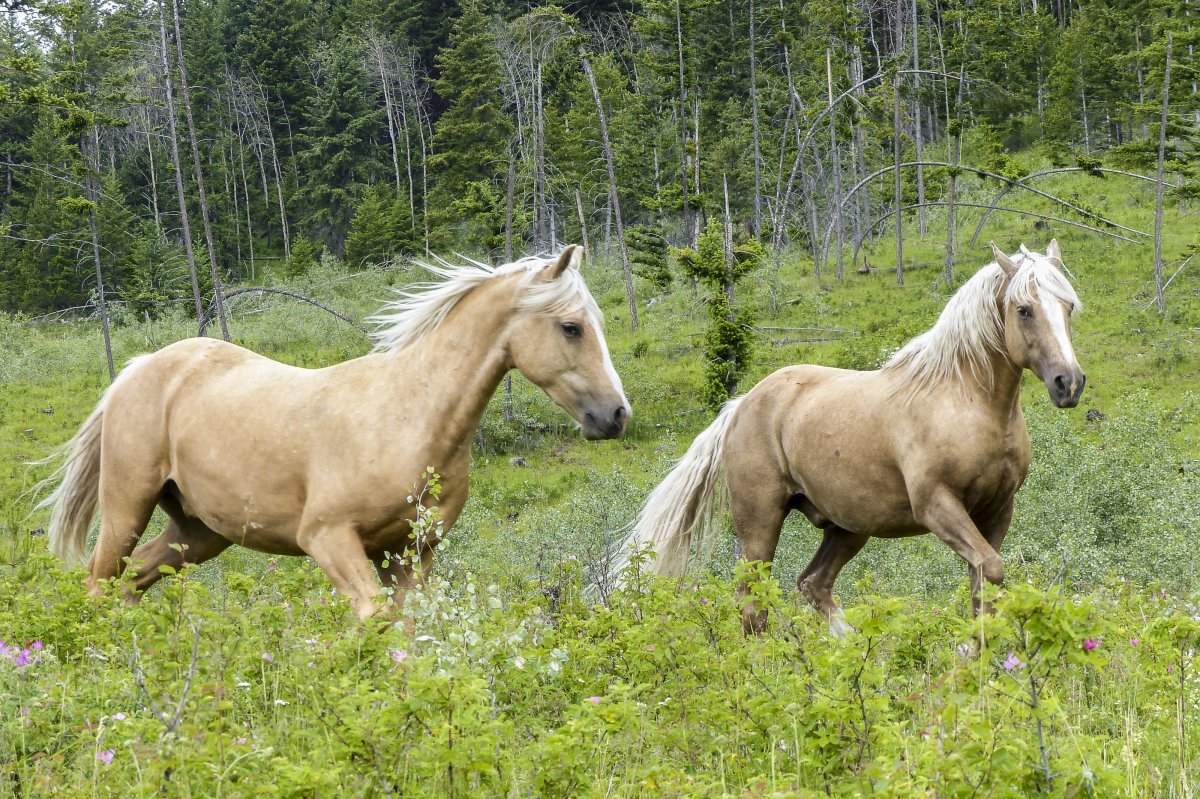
173 138
690 230
896 174
92 153
613 198
754 130
916 78
1159 300
199 174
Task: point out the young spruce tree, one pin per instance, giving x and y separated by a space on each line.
470 142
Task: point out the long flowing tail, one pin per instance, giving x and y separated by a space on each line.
75 497
681 507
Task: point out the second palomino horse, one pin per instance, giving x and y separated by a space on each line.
934 441
240 449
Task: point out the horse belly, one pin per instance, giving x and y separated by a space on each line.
840 455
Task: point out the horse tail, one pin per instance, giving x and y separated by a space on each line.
74 499
682 506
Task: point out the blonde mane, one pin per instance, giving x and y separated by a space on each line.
419 309
971 327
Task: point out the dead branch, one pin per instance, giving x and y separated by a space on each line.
1000 196
260 290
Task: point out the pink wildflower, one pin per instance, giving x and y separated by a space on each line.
595 700
399 655
1089 644
1013 663
117 716
106 756
267 656
703 601
650 647
1134 642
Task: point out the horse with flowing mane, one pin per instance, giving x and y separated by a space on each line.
933 441
239 449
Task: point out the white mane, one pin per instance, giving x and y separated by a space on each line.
971 326
420 308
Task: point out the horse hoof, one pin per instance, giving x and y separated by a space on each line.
839 627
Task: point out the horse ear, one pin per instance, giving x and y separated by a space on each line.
570 258
1024 249
1052 250
1006 263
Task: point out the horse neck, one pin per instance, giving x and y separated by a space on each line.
1004 394
460 363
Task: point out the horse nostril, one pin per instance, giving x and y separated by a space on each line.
1060 384
620 414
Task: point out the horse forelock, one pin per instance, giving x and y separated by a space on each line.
971 326
418 310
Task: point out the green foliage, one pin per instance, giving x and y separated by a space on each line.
729 337
471 140
304 255
648 252
550 695
382 228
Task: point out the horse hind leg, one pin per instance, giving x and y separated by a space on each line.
184 541
124 514
758 509
815 583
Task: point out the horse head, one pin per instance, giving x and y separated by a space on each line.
557 342
1037 306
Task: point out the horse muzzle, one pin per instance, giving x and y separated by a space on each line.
1066 387
601 424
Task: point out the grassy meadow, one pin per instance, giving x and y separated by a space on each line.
248 677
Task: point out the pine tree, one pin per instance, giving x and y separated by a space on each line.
339 152
381 228
470 141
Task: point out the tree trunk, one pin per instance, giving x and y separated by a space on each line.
509 200
896 173
283 222
92 195
917 125
218 295
1159 298
153 174
613 198
754 121
689 231
837 169
582 222
173 134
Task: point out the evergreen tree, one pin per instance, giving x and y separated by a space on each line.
381 228
470 142
339 153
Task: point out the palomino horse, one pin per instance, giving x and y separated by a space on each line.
933 441
239 449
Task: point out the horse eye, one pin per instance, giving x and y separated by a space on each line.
571 330
1023 312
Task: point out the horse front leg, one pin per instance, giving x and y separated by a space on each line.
993 530
403 574
943 514
338 550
